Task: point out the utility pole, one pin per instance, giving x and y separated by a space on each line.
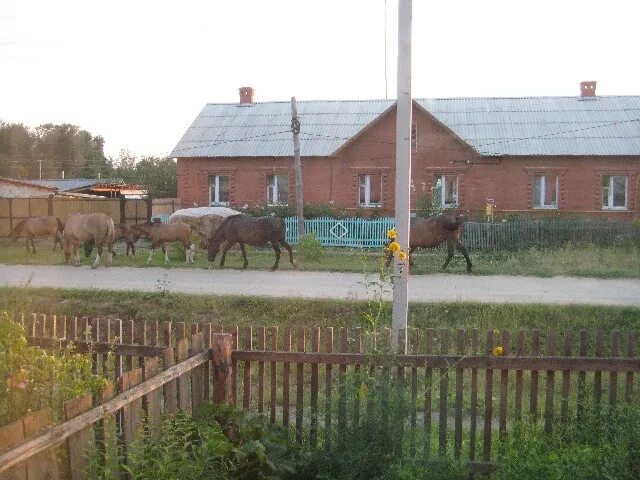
295 128
403 175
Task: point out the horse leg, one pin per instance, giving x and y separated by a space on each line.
276 248
153 249
33 246
76 256
98 254
110 253
224 252
449 254
244 255
288 247
463 251
166 255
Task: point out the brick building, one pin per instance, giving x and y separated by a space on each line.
552 155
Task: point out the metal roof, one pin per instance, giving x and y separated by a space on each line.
71 184
604 125
264 129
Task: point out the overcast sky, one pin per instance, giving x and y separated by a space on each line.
137 72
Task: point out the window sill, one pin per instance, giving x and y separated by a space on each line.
371 205
219 204
615 209
545 207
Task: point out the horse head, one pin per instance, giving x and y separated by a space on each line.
214 247
15 233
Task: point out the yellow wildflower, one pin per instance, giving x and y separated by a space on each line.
392 234
496 332
394 247
402 256
498 351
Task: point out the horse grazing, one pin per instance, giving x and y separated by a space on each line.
431 232
122 232
159 233
80 228
38 227
252 231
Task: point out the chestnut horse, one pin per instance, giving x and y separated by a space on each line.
122 232
159 233
80 228
252 231
38 227
431 232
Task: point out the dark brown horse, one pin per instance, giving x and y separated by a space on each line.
122 232
38 227
431 232
252 231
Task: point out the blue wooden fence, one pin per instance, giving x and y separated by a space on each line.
345 232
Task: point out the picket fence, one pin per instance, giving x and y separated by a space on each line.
461 401
476 236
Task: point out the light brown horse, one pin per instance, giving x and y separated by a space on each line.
160 233
252 231
80 228
122 232
431 232
38 227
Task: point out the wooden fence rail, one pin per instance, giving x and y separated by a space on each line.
452 392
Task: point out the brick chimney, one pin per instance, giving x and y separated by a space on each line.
246 95
588 89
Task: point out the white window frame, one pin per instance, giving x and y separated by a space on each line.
272 190
543 192
214 187
610 194
443 191
367 191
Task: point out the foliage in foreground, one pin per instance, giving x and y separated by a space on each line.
31 378
602 445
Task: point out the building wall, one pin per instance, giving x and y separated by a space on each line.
13 190
507 180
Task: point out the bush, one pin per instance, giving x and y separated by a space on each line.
32 378
602 445
310 247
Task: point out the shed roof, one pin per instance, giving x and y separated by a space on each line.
603 125
72 184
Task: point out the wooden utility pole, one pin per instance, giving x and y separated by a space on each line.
295 128
403 175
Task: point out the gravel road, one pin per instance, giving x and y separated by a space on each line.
422 288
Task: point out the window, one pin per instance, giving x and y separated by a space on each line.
277 190
545 191
370 190
445 191
614 192
218 190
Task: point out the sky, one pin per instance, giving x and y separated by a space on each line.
137 72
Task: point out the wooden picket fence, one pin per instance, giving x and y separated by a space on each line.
457 396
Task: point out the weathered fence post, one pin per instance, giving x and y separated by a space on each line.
221 355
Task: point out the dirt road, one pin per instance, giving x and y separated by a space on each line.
422 288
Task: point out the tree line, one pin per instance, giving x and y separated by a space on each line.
49 149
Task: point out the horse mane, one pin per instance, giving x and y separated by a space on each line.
223 225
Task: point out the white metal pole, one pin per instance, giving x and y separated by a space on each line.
403 175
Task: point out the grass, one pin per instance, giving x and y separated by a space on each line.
259 311
581 261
